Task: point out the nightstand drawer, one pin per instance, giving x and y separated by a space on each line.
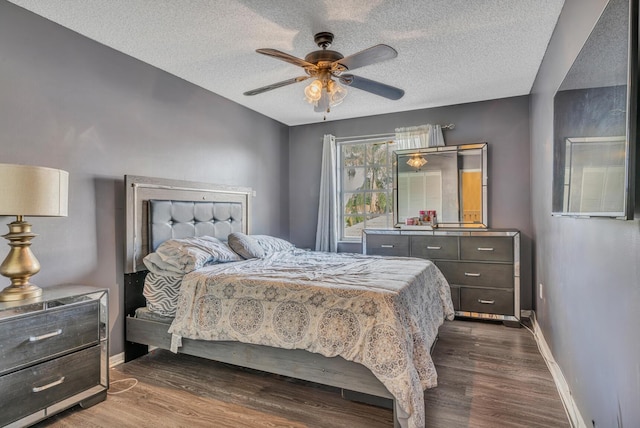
32 338
434 247
478 274
486 301
486 248
388 245
29 390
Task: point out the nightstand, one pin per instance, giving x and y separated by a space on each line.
53 353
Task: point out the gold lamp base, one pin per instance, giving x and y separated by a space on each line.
20 264
12 293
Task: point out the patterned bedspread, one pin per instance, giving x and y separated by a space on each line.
381 312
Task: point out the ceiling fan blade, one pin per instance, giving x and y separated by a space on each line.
286 57
372 55
372 86
276 85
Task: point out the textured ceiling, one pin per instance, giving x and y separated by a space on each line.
449 51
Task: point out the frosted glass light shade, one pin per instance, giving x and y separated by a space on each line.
313 91
33 191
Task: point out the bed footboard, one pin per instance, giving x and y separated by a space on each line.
295 363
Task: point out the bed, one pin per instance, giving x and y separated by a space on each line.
365 324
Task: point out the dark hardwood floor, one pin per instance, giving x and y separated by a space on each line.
489 375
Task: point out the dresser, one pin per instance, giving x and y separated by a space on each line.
481 266
53 353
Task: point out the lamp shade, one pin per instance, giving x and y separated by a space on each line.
33 191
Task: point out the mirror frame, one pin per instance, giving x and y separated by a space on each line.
484 224
584 107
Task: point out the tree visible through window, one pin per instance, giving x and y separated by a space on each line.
366 186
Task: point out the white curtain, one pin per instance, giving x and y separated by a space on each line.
415 137
327 230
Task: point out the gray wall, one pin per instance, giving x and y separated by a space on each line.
503 123
588 312
70 103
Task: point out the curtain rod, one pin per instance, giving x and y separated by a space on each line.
387 135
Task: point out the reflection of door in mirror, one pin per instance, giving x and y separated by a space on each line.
424 191
594 174
471 201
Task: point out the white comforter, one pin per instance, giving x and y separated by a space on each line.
381 312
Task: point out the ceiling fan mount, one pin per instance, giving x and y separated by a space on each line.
323 39
323 65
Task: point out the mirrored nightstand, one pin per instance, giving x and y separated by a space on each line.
53 353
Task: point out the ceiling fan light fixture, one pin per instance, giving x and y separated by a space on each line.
313 92
416 161
336 93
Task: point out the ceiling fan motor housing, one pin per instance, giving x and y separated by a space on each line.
324 55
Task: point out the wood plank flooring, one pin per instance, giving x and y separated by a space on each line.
489 375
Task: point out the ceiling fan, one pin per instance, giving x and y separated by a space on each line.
324 65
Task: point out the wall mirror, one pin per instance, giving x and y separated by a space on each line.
595 121
452 180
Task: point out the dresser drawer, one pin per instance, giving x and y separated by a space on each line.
32 389
388 245
486 301
32 338
478 274
486 248
434 247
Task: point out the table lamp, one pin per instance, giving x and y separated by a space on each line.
28 191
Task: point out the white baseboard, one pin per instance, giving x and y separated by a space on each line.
117 359
575 418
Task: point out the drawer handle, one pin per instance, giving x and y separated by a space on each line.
47 386
471 274
45 336
485 248
433 248
486 302
386 246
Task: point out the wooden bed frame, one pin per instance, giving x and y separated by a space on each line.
356 381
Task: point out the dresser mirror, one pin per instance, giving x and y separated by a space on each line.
452 180
594 121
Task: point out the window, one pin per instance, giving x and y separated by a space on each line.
365 178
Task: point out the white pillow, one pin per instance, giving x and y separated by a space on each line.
271 244
257 246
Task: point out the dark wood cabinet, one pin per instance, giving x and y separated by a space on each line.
53 353
482 267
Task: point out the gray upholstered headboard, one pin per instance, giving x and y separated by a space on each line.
184 219
184 208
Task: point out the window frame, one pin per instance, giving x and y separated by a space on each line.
389 142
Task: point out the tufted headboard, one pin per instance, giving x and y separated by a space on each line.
183 219
159 209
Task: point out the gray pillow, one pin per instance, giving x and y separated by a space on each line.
188 254
245 245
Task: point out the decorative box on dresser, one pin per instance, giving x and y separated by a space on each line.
53 353
481 266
